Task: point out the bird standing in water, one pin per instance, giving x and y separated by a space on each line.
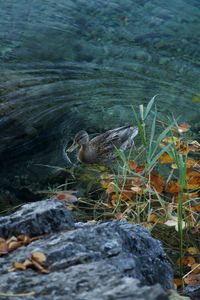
103 147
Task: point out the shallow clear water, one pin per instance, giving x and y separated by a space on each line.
67 65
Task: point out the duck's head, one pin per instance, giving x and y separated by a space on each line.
81 138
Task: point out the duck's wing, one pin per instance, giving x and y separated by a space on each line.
106 143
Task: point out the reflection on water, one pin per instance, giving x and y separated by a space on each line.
71 64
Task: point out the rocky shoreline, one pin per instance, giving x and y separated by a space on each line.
110 260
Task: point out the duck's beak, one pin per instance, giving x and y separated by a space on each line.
72 147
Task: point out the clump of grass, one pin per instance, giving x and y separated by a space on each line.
140 207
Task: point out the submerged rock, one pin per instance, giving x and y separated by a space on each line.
112 260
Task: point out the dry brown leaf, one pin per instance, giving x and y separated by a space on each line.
111 188
137 189
190 163
3 246
132 165
12 239
39 267
66 196
25 239
39 257
165 158
27 263
186 196
19 266
194 146
196 207
127 195
195 268
119 216
186 261
157 181
153 218
192 279
13 245
178 282
193 179
192 250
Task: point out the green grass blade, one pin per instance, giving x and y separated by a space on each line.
140 128
149 106
160 138
153 127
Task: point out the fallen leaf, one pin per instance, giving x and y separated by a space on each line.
153 218
119 216
19 266
127 195
186 261
66 196
194 146
13 245
27 263
137 189
195 268
157 181
39 257
3 247
132 165
25 239
39 267
165 158
190 163
196 207
192 279
178 282
192 250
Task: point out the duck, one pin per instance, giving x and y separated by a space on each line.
102 148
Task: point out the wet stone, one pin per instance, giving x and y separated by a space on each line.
107 260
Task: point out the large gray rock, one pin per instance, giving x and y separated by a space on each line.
112 260
36 219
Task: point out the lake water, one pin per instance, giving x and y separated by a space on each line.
70 65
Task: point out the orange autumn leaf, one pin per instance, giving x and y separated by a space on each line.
193 178
186 196
196 207
157 181
111 188
60 197
178 282
186 261
132 165
153 218
127 195
173 187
